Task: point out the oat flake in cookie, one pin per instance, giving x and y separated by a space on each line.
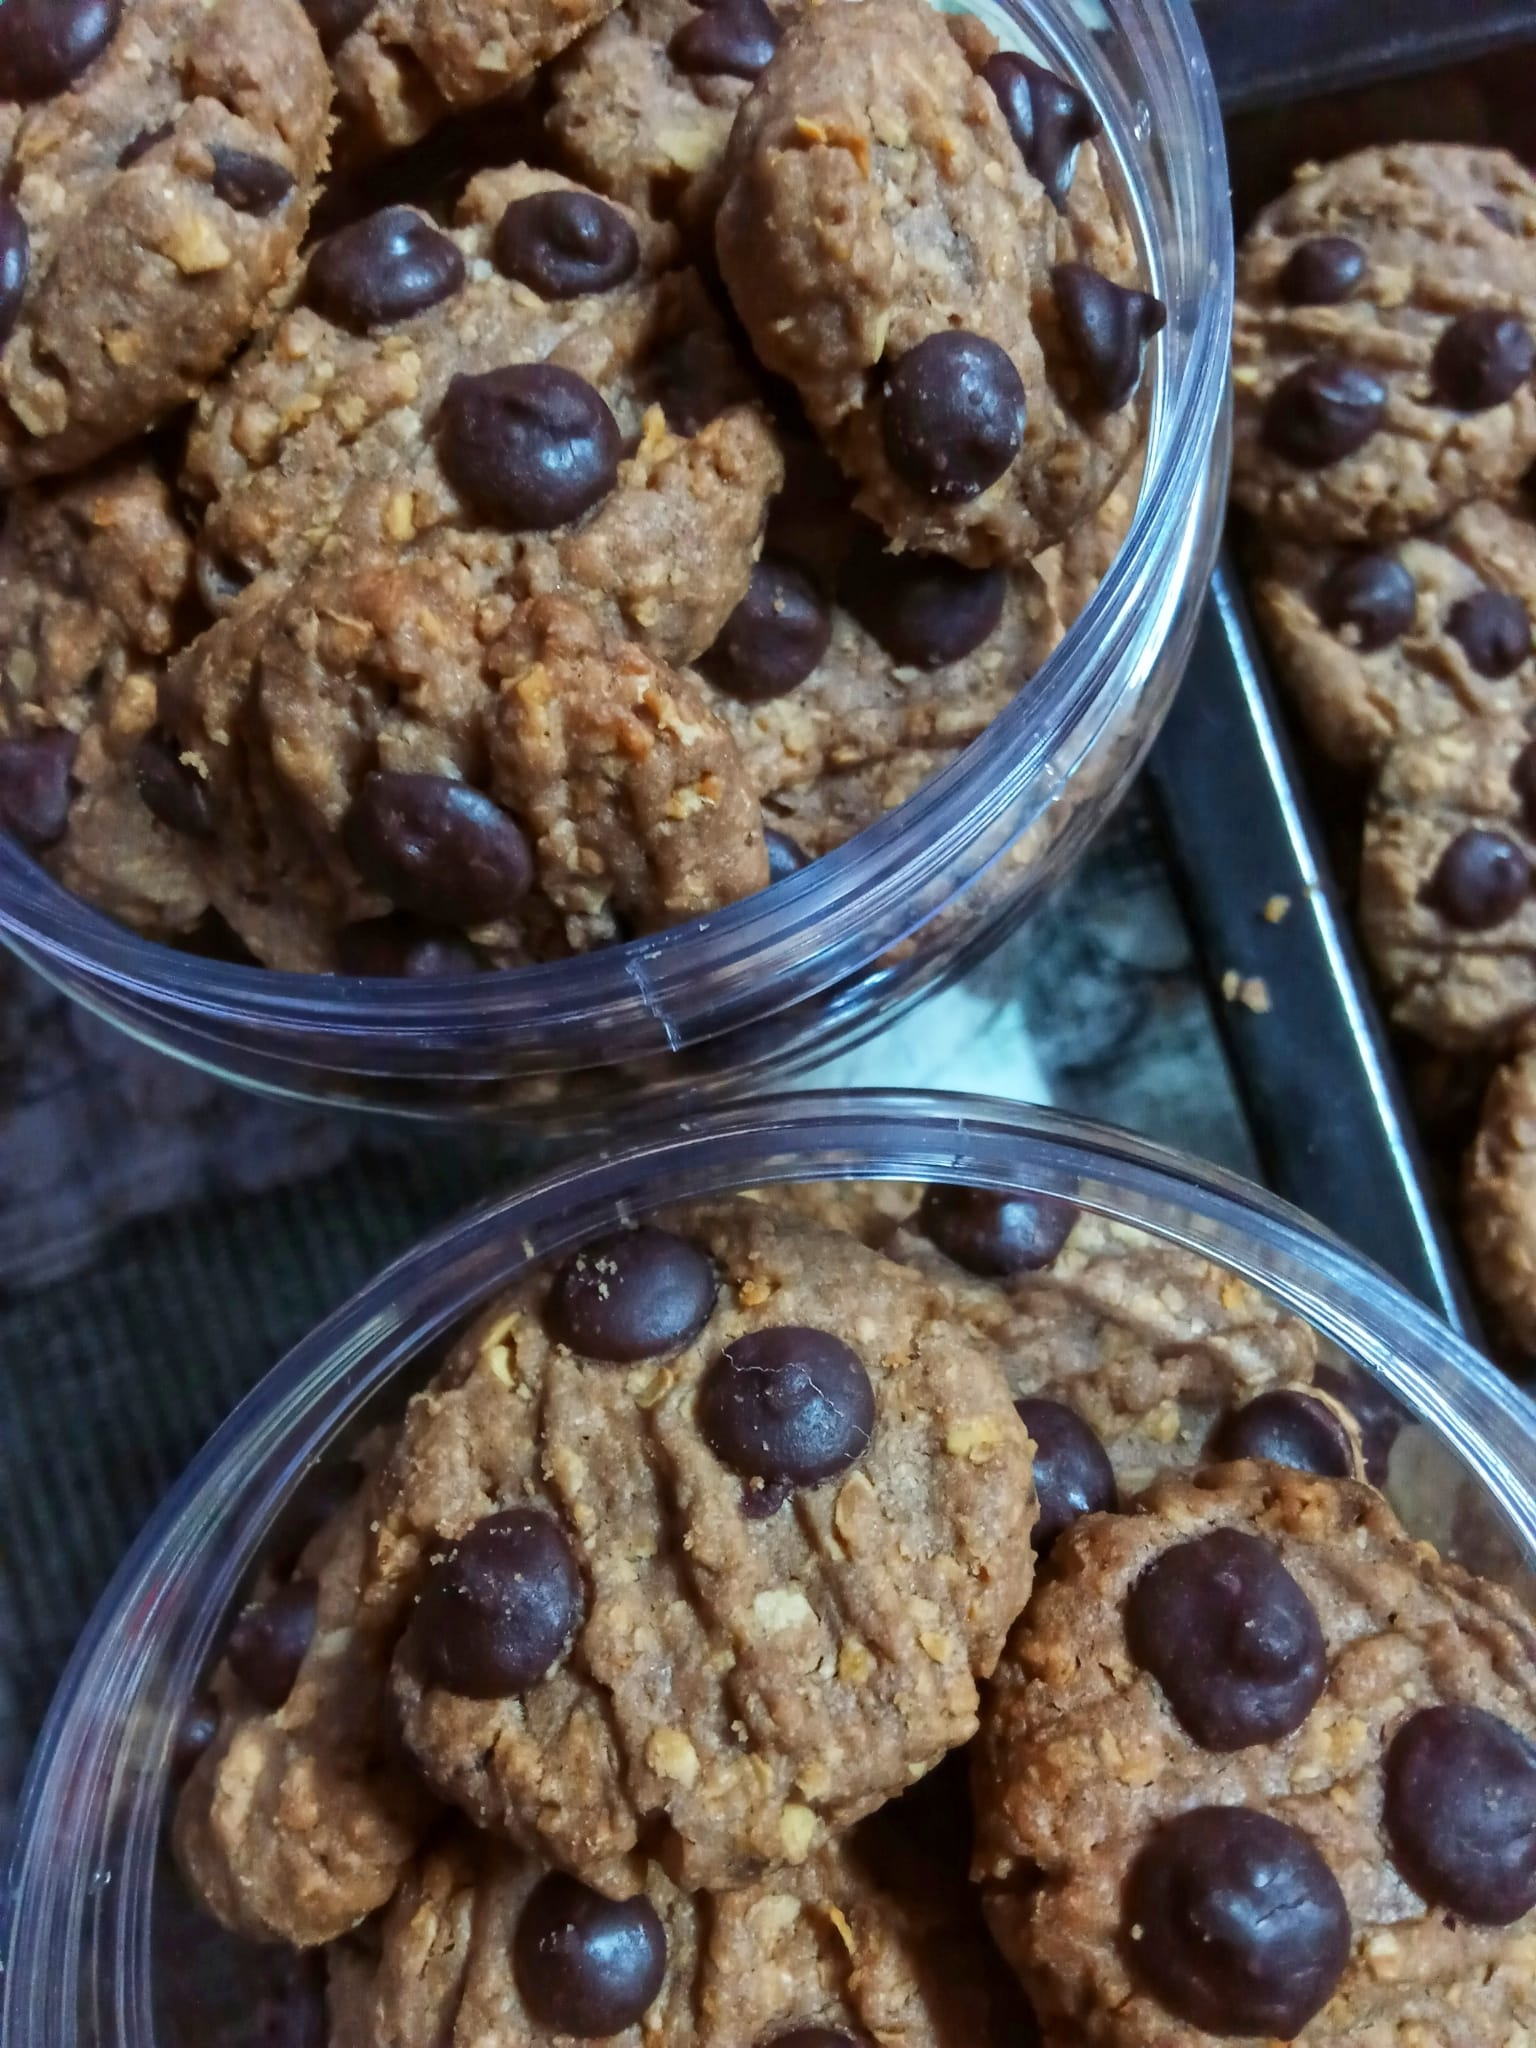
1257 1765
160 158
1384 342
801 1529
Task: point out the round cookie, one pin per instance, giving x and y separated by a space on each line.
879 216
1407 640
160 162
96 591
1445 885
1384 341
782 1506
1256 1764
1499 1198
298 1818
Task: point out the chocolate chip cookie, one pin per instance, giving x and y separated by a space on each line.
713 1529
1499 1198
1445 884
1256 1764
1384 342
160 162
1406 640
891 253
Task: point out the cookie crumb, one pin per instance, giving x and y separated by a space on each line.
1277 909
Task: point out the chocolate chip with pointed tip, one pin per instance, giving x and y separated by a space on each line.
1048 118
565 245
1107 327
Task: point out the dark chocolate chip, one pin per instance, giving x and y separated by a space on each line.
35 787
268 1643
250 184
1286 1427
953 418
1372 598
531 447
774 638
1480 880
1236 1923
726 39
437 847
1107 327
565 245
761 1498
924 610
790 1404
995 1234
199 1726
317 1499
211 938
1522 780
1376 1413
1046 117
15 262
784 857
585 1964
1460 1812
1321 271
142 143
1482 359
501 1607
633 1294
335 20
1493 630
1230 1637
1323 412
388 267
172 790
1499 217
46 44
403 947
1073 1475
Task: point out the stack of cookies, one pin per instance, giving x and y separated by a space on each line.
1386 431
629 1687
725 417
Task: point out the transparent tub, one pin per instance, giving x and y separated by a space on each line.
99 1948
811 964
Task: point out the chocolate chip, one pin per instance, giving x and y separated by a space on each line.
1321 271
1493 630
954 415
147 139
565 245
199 1726
437 847
172 790
995 1234
1460 1812
1230 1637
726 39
633 1294
784 857
1107 327
1480 880
268 1643
1481 360
1372 598
15 262
501 1607
335 20
789 1404
46 44
1500 217
405 948
531 447
762 1499
250 184
773 639
924 610
587 1965
1073 1475
1376 1413
1046 117
1236 1923
317 1499
1286 1427
388 267
35 787
1323 412
1522 780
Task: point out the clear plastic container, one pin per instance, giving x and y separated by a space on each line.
806 967
97 1944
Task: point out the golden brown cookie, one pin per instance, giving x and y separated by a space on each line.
1499 1198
